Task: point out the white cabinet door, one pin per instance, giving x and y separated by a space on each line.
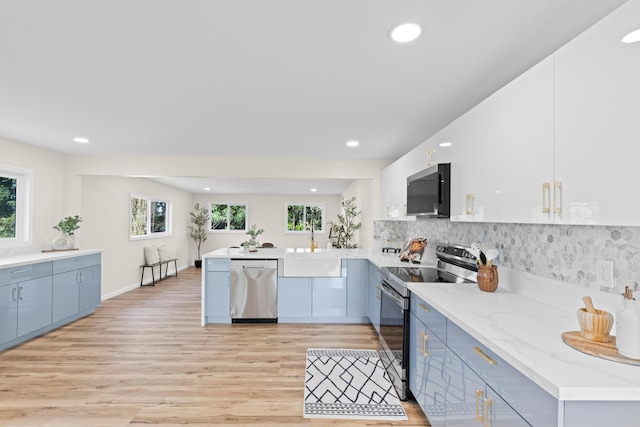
329 297
477 150
597 125
526 148
294 297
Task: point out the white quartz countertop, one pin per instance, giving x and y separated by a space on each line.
34 257
526 332
375 256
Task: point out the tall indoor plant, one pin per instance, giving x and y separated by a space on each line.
347 225
198 229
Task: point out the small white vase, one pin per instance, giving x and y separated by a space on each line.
62 242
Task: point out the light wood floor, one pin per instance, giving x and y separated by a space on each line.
143 358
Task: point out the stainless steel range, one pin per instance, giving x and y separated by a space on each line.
455 265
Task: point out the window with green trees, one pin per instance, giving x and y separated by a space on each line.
228 216
301 216
15 206
8 196
149 217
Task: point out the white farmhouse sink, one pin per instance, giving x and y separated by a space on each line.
304 263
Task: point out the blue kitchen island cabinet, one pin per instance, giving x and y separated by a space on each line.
357 287
37 297
218 290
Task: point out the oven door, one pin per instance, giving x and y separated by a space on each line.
394 338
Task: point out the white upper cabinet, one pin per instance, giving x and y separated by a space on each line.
597 126
526 179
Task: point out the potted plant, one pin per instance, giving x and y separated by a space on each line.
254 232
198 229
67 227
347 225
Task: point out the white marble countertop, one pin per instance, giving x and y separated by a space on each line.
524 327
33 257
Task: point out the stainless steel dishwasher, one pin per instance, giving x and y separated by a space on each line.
254 291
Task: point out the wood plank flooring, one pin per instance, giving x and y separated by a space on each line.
143 358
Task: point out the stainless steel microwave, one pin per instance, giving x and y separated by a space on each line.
429 192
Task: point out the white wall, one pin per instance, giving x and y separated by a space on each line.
362 191
268 213
48 190
105 214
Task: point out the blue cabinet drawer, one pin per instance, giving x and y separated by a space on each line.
431 317
218 264
24 272
75 263
534 404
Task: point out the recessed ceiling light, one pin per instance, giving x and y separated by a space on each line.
445 144
81 140
632 37
313 190
206 189
405 33
352 143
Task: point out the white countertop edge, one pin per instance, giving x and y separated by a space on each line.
34 257
540 354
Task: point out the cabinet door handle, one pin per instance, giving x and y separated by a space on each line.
13 294
557 192
487 407
546 190
479 395
484 356
469 204
20 292
424 307
425 339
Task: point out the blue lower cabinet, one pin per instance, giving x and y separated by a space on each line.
357 287
8 313
66 295
427 371
217 296
294 298
89 280
374 296
34 305
329 297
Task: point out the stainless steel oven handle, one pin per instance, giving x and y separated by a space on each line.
394 296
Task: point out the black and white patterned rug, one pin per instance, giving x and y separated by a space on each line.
349 384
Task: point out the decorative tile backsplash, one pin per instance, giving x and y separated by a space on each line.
563 252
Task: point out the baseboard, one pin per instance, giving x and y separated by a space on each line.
134 286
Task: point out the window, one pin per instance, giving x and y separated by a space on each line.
228 217
300 217
149 217
15 206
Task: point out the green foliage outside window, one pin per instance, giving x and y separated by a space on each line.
300 217
8 187
138 216
158 217
228 216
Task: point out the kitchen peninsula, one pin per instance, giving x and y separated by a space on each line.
520 327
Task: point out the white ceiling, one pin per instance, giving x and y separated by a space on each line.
262 78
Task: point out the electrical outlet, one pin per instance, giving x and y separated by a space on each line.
604 273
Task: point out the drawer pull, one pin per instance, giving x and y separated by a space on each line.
479 395
425 339
487 406
424 307
484 356
19 271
